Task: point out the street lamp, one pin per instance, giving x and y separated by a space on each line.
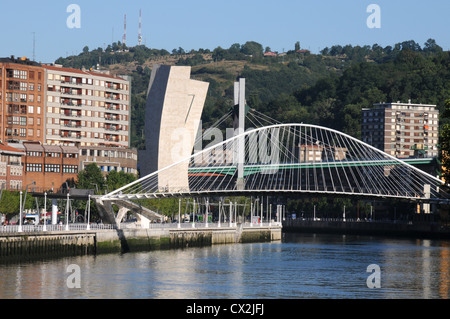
44 228
179 213
67 212
89 213
20 215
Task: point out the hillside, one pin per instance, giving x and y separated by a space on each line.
329 88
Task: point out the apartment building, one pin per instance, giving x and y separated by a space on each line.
109 159
319 153
11 168
402 129
22 100
48 166
52 113
86 108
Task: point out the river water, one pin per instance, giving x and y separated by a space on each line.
298 267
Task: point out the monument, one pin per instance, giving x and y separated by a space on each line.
172 117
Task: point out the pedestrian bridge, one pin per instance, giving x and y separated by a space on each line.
288 159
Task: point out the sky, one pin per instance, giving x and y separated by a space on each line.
207 24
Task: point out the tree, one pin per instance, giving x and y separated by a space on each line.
252 48
115 180
297 45
445 144
432 47
91 177
9 203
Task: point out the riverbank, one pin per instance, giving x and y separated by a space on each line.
399 229
32 245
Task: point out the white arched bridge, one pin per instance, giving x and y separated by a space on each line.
288 159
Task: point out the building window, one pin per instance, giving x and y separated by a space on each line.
52 168
34 167
71 155
52 154
71 169
34 154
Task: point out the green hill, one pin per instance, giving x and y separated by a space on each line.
328 89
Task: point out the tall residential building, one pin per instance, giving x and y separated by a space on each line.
86 108
402 129
22 100
53 113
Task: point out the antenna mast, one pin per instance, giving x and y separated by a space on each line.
34 46
124 39
140 27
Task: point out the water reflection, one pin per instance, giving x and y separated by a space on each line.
302 266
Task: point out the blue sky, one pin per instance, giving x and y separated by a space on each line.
194 24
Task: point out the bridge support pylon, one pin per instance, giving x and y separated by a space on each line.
105 211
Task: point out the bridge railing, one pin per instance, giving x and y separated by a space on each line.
11 229
199 225
6 229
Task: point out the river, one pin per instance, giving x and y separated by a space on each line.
301 266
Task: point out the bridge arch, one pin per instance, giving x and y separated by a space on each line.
290 158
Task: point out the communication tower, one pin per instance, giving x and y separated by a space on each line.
124 39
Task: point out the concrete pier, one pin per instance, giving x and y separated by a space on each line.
25 246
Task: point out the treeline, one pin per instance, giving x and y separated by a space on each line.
116 53
336 101
379 54
327 89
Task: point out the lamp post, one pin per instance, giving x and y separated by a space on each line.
44 228
193 216
251 214
220 211
179 213
231 212
207 212
261 221
67 212
20 215
270 215
89 212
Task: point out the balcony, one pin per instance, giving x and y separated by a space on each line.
69 114
76 136
112 118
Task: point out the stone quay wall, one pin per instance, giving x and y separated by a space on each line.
90 242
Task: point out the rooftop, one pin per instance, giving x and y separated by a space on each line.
398 103
60 68
22 60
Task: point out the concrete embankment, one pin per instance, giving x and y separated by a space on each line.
416 230
72 243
